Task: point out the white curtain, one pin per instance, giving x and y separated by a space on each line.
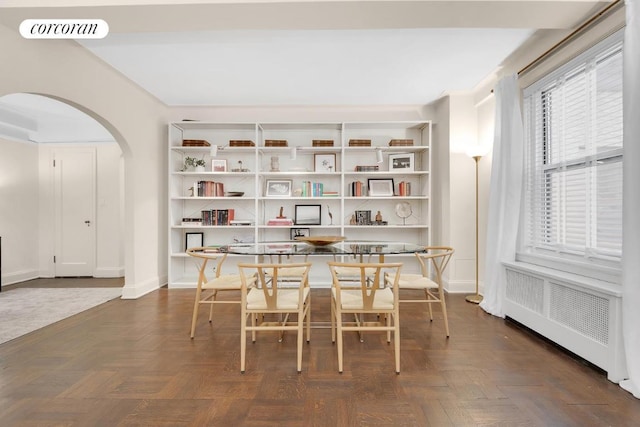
631 199
504 193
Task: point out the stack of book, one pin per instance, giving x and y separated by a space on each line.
372 168
275 143
401 142
357 189
280 222
322 143
241 143
312 189
240 222
210 189
359 143
330 194
404 188
195 143
192 222
218 216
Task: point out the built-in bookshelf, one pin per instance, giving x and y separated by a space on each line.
261 180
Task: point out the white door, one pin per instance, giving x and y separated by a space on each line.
75 186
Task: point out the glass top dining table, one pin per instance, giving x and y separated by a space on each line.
346 247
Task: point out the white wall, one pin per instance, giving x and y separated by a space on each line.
18 210
137 121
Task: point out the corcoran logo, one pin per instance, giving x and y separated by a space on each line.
64 29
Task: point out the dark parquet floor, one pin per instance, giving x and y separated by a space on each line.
131 363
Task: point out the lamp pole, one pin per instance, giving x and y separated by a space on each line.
476 298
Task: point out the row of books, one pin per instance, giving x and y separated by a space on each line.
370 168
357 189
404 188
312 189
218 216
210 189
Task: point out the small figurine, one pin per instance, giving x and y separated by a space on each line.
378 217
353 219
281 212
330 215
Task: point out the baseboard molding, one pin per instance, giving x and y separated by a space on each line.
462 287
108 272
137 290
19 276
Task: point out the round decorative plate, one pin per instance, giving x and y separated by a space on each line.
234 193
320 240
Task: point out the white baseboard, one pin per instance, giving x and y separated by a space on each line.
19 276
137 290
108 272
462 287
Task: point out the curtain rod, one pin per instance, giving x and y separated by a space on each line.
578 30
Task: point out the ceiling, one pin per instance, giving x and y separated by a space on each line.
263 53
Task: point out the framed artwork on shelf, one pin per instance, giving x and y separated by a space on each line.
402 162
193 240
308 215
299 232
278 188
218 165
380 187
325 162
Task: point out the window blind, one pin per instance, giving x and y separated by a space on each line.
573 158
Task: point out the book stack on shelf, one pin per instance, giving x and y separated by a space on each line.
210 189
280 222
369 168
192 222
330 194
404 188
218 216
359 143
241 222
401 143
322 143
241 143
195 143
357 189
276 143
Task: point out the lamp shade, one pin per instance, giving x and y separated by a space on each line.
477 151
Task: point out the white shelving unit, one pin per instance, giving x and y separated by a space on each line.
296 164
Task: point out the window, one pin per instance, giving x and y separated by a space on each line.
573 161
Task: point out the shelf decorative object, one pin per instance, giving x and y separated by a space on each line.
195 143
359 143
276 143
322 143
241 143
401 143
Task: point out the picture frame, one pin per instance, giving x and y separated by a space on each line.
218 165
193 240
308 215
402 162
299 232
324 162
380 187
278 188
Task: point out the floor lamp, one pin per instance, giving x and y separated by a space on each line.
476 153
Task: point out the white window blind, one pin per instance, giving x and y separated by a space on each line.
573 160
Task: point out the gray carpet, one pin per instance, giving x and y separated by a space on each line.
24 310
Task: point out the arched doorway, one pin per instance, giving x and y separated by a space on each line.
43 197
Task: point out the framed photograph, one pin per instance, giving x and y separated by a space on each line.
380 187
278 188
299 232
218 165
324 162
308 214
402 162
193 240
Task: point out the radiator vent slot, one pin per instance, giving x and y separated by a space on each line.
525 290
580 311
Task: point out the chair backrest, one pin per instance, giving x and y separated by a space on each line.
371 279
438 257
264 276
206 254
